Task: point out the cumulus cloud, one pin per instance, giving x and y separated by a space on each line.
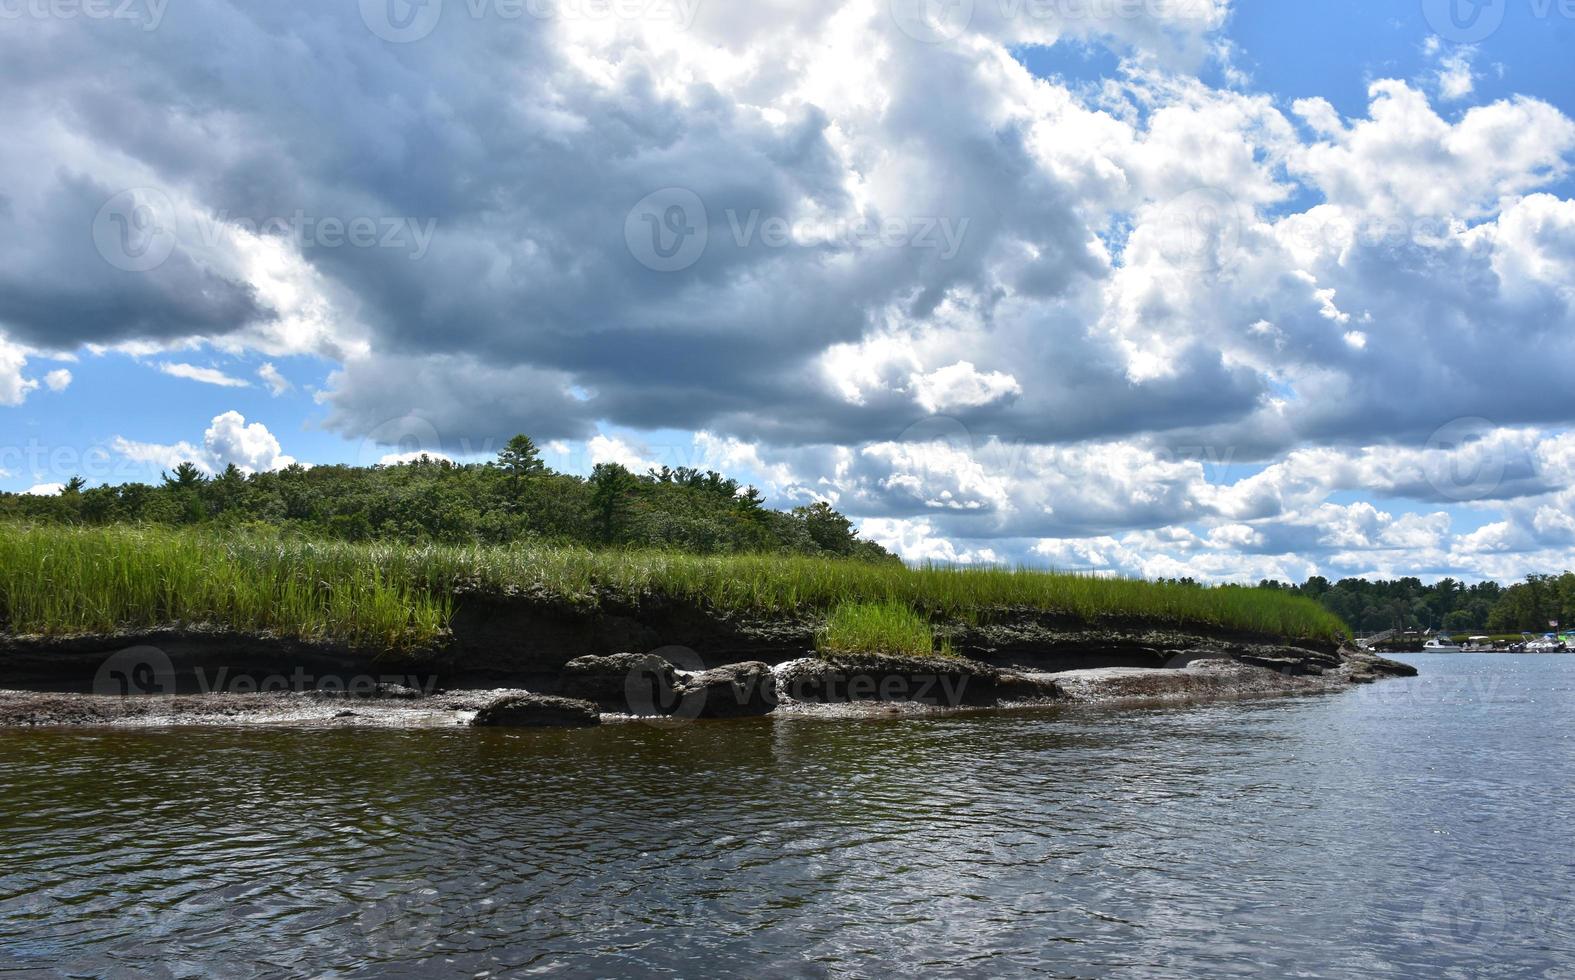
13 386
880 219
44 489
58 379
229 439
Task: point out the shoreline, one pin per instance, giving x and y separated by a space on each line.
871 687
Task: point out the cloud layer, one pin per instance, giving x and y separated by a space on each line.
863 251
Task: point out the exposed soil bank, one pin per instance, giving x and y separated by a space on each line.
526 642
699 665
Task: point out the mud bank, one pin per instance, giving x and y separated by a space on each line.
205 679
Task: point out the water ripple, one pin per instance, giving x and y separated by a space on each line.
1399 831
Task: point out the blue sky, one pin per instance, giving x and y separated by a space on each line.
1078 349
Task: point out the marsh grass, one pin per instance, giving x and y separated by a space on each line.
62 581
878 627
56 580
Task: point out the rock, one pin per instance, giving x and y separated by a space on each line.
939 681
1365 668
537 711
735 691
1290 667
396 692
628 683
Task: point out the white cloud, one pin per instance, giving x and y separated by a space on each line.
612 449
277 383
252 447
13 387
58 379
44 490
208 376
962 385
228 439
1456 77
157 456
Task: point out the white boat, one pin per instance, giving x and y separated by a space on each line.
1548 644
1441 644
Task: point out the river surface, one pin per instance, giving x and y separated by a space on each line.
1418 828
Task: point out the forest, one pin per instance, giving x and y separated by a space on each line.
513 499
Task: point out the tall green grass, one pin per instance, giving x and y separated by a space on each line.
58 580
878 627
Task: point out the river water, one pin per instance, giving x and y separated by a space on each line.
1419 828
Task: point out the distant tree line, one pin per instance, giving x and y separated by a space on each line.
1450 605
514 498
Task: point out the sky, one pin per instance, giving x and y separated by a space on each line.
1232 289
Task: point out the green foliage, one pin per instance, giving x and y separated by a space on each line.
515 500
520 458
1450 605
877 627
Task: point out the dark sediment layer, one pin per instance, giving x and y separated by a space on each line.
717 666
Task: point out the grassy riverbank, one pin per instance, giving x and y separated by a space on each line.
56 580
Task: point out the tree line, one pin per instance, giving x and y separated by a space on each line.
513 498
1448 605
